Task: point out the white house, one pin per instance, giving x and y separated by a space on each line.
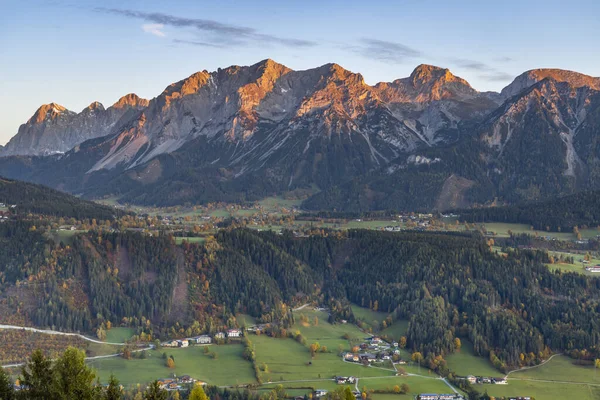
234 333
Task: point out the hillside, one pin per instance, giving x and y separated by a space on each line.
445 285
561 214
37 199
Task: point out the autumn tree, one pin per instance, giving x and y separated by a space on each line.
417 357
170 363
314 348
457 344
402 342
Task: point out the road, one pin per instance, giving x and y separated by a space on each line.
301 307
51 332
86 359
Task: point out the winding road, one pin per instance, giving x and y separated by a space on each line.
51 332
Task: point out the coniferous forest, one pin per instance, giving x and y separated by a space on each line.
560 214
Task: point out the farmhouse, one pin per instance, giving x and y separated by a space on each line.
183 343
204 339
234 333
320 393
342 380
595 268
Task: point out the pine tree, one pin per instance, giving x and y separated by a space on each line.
113 391
154 392
37 376
7 391
198 393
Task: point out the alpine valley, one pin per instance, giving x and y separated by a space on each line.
428 141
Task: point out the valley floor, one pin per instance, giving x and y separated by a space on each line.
289 363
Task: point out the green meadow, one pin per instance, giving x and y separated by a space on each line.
229 368
465 362
119 334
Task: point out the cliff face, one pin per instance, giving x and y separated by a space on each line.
265 128
54 129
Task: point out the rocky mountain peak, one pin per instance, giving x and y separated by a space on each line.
531 77
94 106
425 74
131 100
47 112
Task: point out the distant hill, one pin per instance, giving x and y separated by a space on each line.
564 213
38 199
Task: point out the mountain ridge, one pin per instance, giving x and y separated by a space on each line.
272 129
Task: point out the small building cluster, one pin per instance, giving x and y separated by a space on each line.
203 339
177 382
434 396
485 379
343 380
374 350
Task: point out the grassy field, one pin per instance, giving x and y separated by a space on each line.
63 236
228 369
417 384
543 390
557 379
465 362
560 368
97 349
396 330
179 240
369 316
288 360
119 334
245 319
576 266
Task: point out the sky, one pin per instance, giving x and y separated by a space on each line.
76 52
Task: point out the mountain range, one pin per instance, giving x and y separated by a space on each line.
428 141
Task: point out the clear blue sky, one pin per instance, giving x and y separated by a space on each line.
77 52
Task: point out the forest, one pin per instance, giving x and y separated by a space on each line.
38 199
511 307
560 214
